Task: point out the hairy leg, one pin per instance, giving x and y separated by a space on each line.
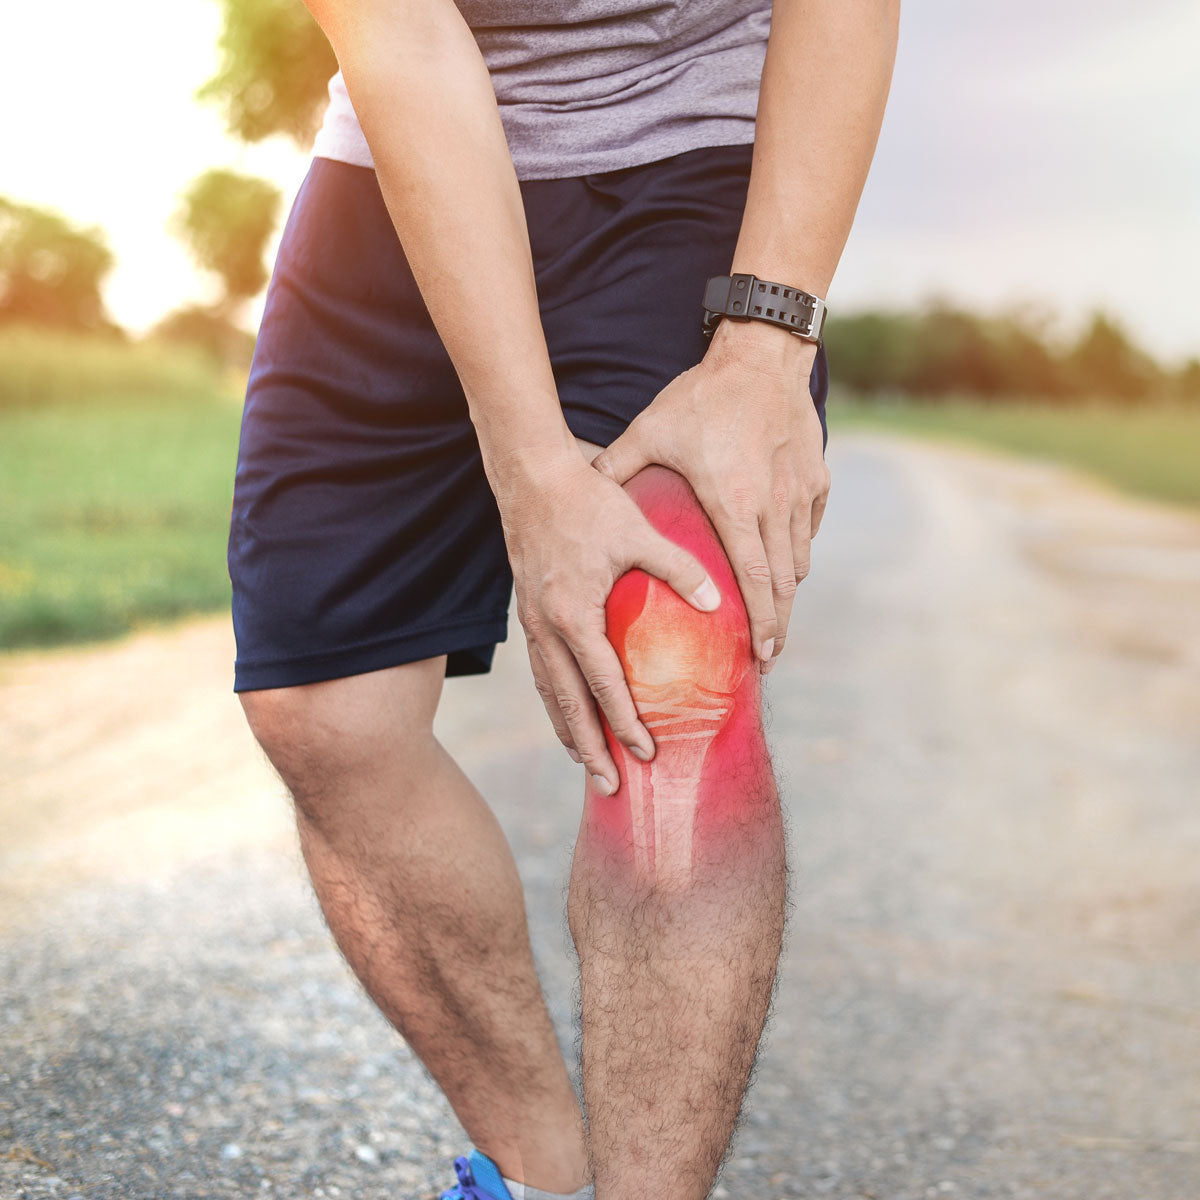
421 893
678 883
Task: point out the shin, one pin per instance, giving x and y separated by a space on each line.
678 883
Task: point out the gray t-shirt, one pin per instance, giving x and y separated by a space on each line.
585 86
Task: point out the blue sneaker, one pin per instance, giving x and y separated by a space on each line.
478 1179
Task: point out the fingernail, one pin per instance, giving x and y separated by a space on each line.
601 785
706 596
769 666
640 752
574 754
768 648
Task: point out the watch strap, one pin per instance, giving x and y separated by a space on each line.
746 297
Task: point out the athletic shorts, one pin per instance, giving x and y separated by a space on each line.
363 532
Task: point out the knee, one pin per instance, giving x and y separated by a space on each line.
322 737
665 645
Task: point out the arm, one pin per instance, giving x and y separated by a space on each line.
741 426
423 95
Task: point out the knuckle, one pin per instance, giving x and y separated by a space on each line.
785 585
764 626
743 499
738 505
571 707
803 566
545 690
603 687
679 560
756 570
558 614
593 760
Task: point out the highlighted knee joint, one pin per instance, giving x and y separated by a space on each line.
691 679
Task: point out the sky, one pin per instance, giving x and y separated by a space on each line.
1041 155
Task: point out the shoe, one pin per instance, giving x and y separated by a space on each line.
478 1179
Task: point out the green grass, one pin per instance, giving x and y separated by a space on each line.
112 518
1150 451
116 474
41 368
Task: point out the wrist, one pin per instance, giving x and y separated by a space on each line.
517 468
758 346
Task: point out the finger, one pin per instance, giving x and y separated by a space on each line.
626 456
541 681
818 510
605 679
579 711
777 542
744 546
802 531
679 570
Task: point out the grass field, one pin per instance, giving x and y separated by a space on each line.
1152 452
116 466
111 517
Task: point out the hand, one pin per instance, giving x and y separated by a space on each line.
742 429
571 534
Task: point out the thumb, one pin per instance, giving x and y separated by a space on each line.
625 457
681 571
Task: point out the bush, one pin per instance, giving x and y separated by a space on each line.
209 331
40 368
941 351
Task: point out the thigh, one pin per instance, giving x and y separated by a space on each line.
622 258
363 533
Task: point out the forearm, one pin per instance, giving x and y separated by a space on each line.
824 86
424 98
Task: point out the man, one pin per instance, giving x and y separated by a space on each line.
495 268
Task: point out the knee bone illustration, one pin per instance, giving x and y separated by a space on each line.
684 668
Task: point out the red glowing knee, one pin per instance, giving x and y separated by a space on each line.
695 687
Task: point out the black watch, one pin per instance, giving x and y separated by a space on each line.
746 297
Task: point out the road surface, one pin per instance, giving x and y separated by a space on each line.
987 726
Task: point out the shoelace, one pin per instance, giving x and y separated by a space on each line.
466 1188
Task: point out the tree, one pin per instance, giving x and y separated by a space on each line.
1187 380
51 271
1107 363
226 220
205 329
275 65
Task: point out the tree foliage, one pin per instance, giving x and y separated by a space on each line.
943 350
51 271
209 330
226 220
275 65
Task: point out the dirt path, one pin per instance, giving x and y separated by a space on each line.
987 729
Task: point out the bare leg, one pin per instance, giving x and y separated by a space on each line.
420 890
678 885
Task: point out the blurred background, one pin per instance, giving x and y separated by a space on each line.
989 727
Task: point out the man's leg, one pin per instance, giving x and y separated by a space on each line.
678 885
419 888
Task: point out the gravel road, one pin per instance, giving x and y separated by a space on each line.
987 730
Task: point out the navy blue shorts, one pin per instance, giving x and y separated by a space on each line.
364 533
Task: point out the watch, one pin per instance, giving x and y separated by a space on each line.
746 297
